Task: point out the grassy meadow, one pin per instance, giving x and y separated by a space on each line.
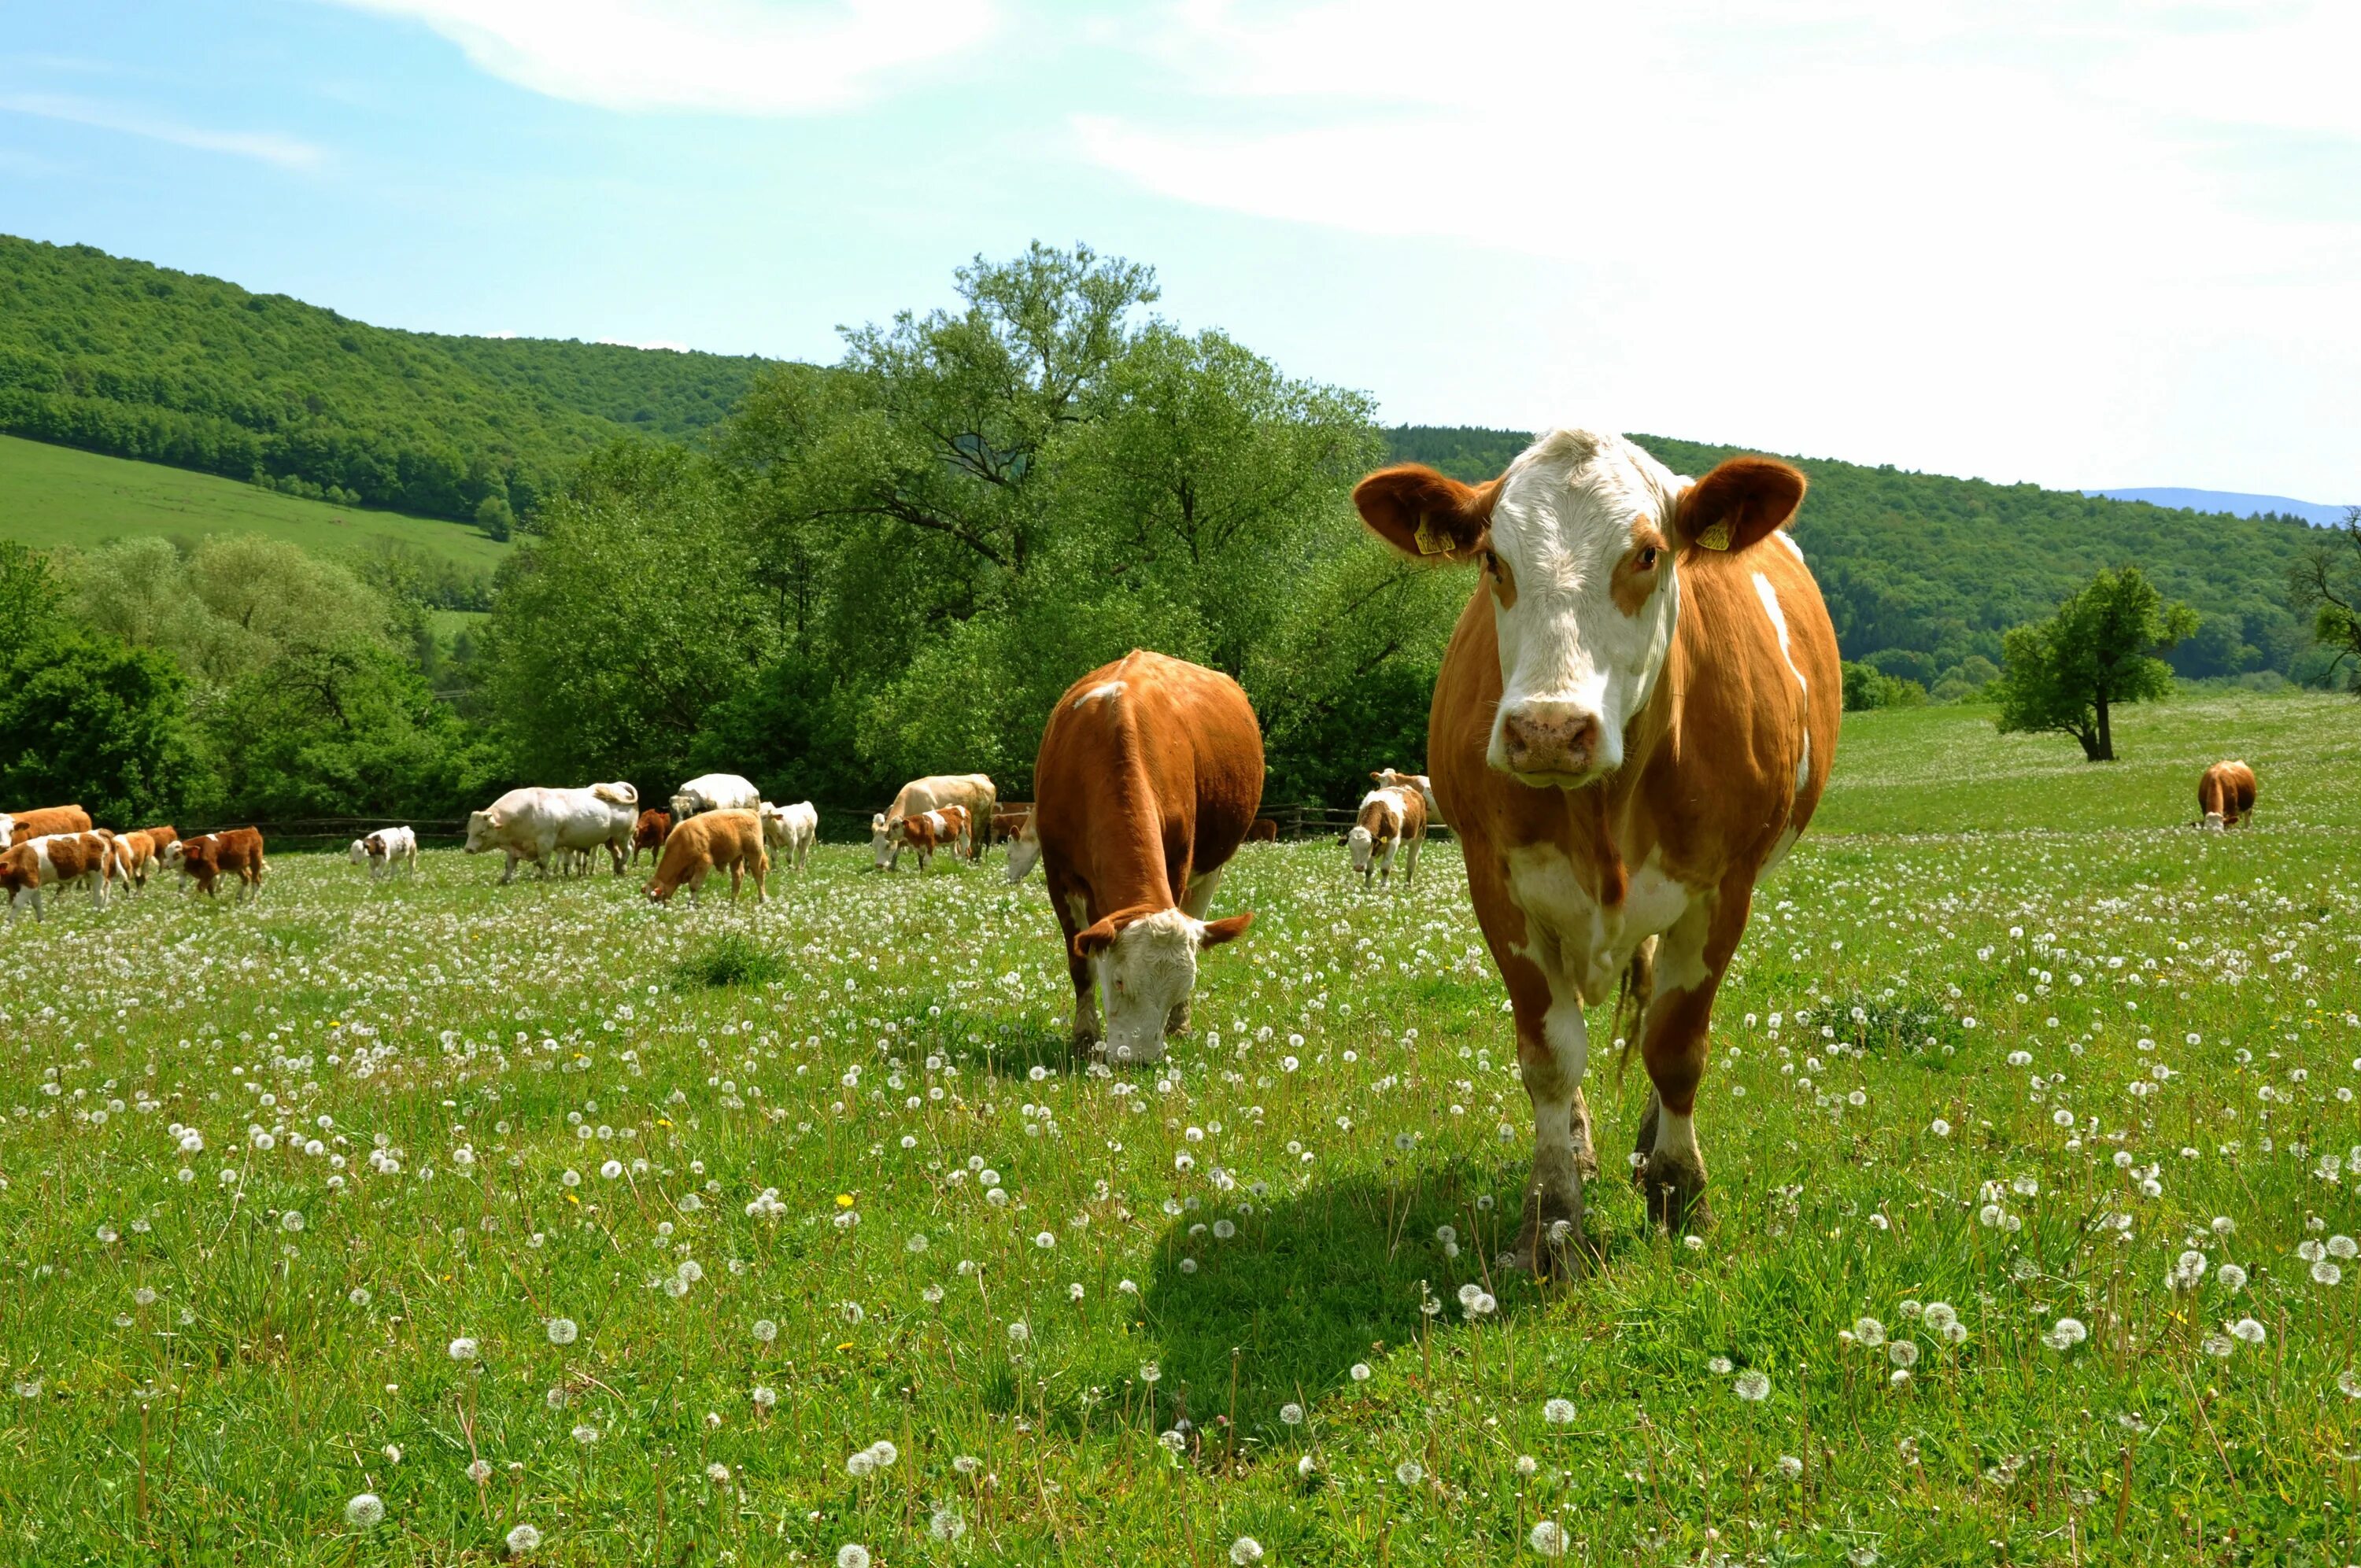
61 495
440 1221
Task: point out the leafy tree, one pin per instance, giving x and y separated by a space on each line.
2066 673
232 604
29 597
348 730
87 718
2326 583
1868 687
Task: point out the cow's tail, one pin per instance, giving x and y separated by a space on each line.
1632 994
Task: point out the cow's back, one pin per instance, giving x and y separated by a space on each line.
1154 741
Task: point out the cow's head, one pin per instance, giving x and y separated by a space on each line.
7 830
1580 542
1023 852
881 841
479 831
359 852
1363 847
1147 965
684 806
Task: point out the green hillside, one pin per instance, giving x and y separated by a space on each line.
138 361
1922 570
55 495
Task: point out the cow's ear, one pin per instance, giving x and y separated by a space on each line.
1095 938
1225 929
1426 515
1742 502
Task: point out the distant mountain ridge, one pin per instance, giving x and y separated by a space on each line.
2238 503
1923 573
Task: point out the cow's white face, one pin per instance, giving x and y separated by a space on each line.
881 842
684 806
1145 969
479 832
1023 853
1364 848
359 852
1577 542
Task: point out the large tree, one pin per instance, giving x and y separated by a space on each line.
2326 583
2067 672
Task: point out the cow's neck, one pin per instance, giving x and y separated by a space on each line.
1127 866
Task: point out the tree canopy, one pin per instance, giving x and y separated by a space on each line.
2066 674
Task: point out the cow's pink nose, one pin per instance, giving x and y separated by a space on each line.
1550 738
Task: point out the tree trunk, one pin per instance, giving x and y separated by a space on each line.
2106 752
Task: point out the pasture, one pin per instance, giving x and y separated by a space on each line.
563 1226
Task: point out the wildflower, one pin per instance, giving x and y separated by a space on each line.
946 1524
2249 1331
366 1512
1244 1551
1290 1414
1410 1472
853 1554
463 1349
586 1435
2218 1346
563 1331
2326 1273
2231 1277
292 1221
523 1540
1558 1412
1753 1385
479 1470
1940 1315
1902 1352
357 1296
1548 1539
1150 1372
861 1466
719 1472
1869 1331
2066 1333
1306 1467
2349 1382
763 1397
1528 1465
1361 1373
611 1169
1019 1331
1718 1364
967 1464
1790 1466
764 1331
1939 1127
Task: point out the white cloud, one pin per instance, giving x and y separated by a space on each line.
1893 228
269 146
738 56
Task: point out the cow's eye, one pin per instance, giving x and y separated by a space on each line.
1491 564
1647 559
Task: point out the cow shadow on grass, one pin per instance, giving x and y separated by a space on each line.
1310 1285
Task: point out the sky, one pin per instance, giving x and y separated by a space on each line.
2081 243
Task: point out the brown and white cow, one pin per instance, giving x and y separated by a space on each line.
41 822
163 836
1008 819
134 857
236 850
1633 721
1393 778
925 833
1392 821
32 866
2227 794
975 791
648 833
707 842
1149 772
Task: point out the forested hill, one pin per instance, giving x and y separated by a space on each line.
124 357
1923 571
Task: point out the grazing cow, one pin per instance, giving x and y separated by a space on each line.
41 822
792 830
383 848
2227 794
715 792
535 823
648 833
1391 778
237 851
57 860
974 790
1633 721
1024 849
707 842
924 834
1392 821
1263 831
1149 773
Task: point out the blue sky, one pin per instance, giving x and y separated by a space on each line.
2080 243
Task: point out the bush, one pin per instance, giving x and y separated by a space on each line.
1866 686
87 718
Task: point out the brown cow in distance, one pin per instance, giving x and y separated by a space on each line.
649 834
2227 794
1263 830
41 822
163 836
236 850
1634 720
711 841
1391 822
57 860
1148 776
1008 819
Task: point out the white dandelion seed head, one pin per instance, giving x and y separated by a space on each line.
366 1512
853 1554
1246 1551
1549 1538
463 1349
1753 1385
563 1331
1869 1331
523 1540
1558 1412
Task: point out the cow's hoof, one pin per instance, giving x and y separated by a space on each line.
1675 1193
1550 1241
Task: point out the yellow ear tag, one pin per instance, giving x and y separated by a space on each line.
1715 538
1428 541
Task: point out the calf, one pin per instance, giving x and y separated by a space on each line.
1263 831
1149 772
41 822
236 850
57 860
922 835
1633 721
383 848
708 842
648 834
974 790
2226 796
134 857
790 830
1392 821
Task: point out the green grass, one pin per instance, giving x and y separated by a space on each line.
455 1030
61 495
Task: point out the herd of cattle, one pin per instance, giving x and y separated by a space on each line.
1634 720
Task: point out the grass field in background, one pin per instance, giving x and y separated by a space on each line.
663 1219
61 495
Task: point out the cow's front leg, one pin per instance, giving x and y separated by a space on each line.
1674 1036
1553 1050
508 876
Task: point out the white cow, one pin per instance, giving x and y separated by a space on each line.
714 792
975 791
535 823
791 830
383 848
